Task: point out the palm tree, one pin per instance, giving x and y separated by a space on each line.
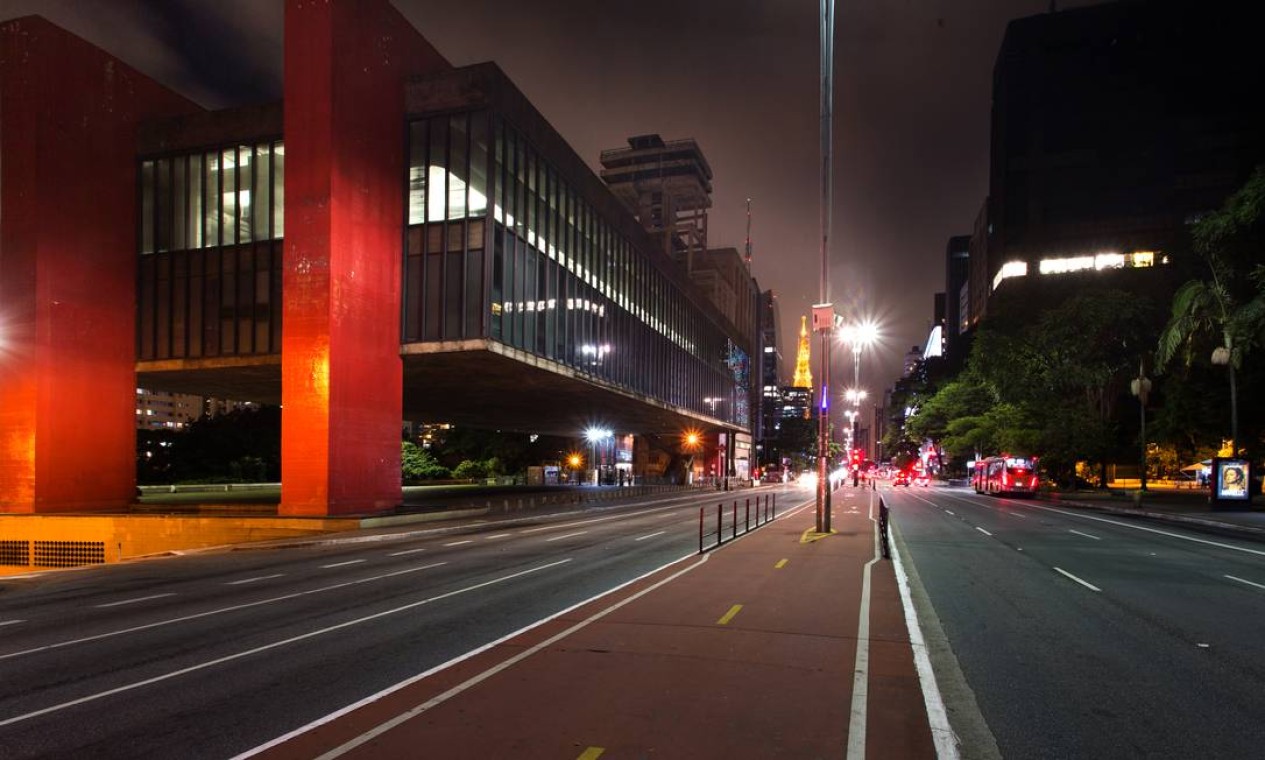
1228 307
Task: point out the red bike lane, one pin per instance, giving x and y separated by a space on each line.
747 652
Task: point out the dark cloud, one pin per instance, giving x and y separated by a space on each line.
912 95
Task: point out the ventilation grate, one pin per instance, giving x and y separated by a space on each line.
15 553
69 553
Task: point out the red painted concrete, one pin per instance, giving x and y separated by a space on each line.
68 268
661 677
346 62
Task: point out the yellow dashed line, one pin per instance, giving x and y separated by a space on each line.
780 564
592 753
729 615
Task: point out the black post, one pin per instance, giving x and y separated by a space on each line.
748 515
720 524
700 530
735 518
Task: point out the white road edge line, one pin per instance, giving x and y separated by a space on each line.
342 564
569 535
652 535
861 670
133 601
1087 585
273 645
479 650
937 717
1086 535
1231 577
981 530
256 578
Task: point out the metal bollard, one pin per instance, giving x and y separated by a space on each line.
720 523
735 519
700 530
748 515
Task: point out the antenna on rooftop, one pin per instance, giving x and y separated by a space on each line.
748 234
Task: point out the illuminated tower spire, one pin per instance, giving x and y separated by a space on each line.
803 375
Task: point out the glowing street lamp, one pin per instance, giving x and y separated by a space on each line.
595 435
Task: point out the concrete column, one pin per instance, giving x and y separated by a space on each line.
68 252
346 62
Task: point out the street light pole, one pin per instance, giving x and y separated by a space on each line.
823 426
1141 387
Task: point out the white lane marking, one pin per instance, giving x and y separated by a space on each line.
1086 535
569 535
1016 514
208 613
1089 586
497 535
413 712
133 601
937 717
861 670
406 551
507 637
273 645
652 535
950 512
253 580
981 530
1217 544
1241 580
10 622
459 543
342 564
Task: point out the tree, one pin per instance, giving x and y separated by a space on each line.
417 464
1226 310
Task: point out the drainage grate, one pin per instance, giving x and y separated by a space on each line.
15 553
69 553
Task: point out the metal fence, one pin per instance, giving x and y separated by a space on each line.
720 524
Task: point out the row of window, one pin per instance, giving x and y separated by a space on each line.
544 273
220 197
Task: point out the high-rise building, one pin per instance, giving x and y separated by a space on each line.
1113 127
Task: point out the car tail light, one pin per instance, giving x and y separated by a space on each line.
1034 482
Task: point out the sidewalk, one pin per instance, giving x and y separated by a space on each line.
1176 506
747 652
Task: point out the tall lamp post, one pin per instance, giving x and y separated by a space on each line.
823 424
1141 387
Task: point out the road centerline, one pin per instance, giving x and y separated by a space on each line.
728 616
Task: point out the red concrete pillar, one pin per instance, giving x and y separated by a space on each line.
68 268
346 62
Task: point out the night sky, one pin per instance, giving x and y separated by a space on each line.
912 94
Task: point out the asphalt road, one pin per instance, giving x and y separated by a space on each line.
212 654
1087 636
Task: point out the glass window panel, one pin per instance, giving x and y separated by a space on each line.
437 171
147 207
162 205
195 201
228 196
180 194
458 171
478 164
453 287
278 189
261 201
417 172
245 195
474 308
212 195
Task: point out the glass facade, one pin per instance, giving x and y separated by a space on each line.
209 279
500 246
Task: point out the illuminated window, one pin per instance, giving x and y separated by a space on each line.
1010 269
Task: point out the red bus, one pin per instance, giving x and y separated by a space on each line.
1013 476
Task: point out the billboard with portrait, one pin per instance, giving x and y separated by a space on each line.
1231 479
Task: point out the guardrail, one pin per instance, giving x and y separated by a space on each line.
708 539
